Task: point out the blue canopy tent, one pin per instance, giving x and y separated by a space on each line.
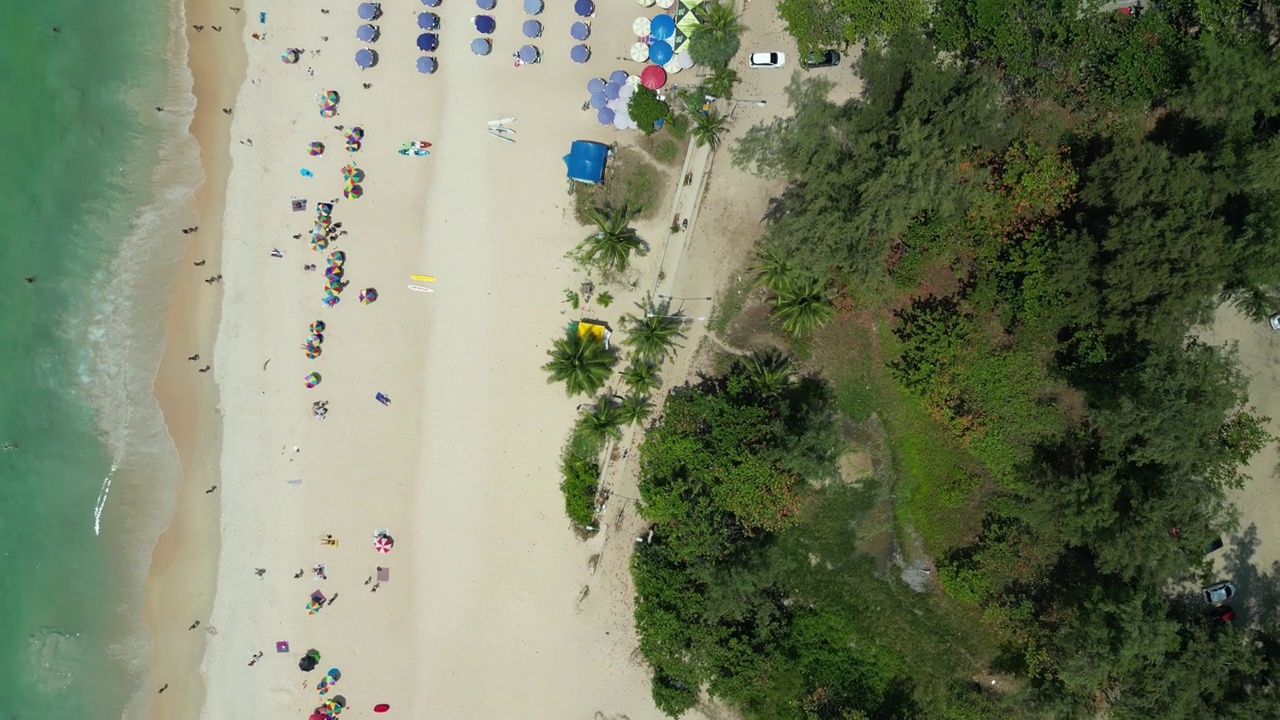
585 161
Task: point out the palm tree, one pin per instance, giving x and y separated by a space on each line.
708 127
722 18
774 268
653 337
611 245
580 362
641 376
602 421
635 408
720 83
802 305
769 370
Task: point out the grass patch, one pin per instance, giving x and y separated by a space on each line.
629 179
664 147
730 304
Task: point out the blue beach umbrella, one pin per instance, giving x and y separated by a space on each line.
533 7
605 116
366 33
617 77
428 21
584 8
580 31
481 46
368 10
428 42
662 27
611 91
431 3
484 24
598 100
660 52
528 54
580 53
485 4
531 28
366 58
426 64
595 85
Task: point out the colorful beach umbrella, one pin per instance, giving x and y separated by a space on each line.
481 46
352 192
382 543
317 326
332 96
313 379
316 148
328 110
580 53
653 77
316 338
357 132
331 300
531 28
368 295
579 31
291 56
334 271
338 256
485 24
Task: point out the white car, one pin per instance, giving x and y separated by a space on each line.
768 60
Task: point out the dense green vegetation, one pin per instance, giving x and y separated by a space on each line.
1000 257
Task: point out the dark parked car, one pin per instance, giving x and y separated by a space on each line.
1219 593
820 59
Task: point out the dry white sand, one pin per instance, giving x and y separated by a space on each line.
481 615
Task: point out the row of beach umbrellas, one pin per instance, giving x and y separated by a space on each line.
367 11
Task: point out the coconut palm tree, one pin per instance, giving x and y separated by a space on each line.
611 245
653 337
721 17
635 408
773 268
720 83
769 370
708 128
802 305
581 362
602 421
641 376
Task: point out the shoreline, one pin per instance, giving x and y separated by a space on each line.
182 572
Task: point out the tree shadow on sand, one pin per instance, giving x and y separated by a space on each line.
1257 600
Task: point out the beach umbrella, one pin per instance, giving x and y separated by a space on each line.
481 46
640 52
528 54
368 10
595 85
339 701
323 209
332 300
640 27
622 122
684 59
598 100
332 96
316 339
431 3
352 192
328 110
291 56
579 31
357 175
653 77
662 27
357 133
319 244
313 379
618 76
334 674
584 8
580 53
426 64
316 148
666 4
486 4
368 295
317 326
381 707
428 42
611 91
428 21
672 67
353 146
484 24
313 352
334 271
531 28
381 543
605 116
533 7
338 257
366 33
660 52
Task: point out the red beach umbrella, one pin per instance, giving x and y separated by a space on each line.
383 543
381 707
653 77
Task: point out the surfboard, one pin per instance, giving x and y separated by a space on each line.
423 278
420 288
500 136
416 144
501 121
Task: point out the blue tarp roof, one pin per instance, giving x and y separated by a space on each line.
585 161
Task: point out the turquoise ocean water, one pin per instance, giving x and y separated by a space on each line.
91 194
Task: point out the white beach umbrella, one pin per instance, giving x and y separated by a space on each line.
633 81
640 27
672 67
684 59
645 3
666 4
640 52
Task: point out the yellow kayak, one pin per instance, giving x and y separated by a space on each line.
422 278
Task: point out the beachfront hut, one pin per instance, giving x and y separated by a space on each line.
585 161
597 330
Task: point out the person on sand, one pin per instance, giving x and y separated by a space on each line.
194 358
198 263
166 687
194 625
210 490
216 28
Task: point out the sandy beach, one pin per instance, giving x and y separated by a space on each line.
482 614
